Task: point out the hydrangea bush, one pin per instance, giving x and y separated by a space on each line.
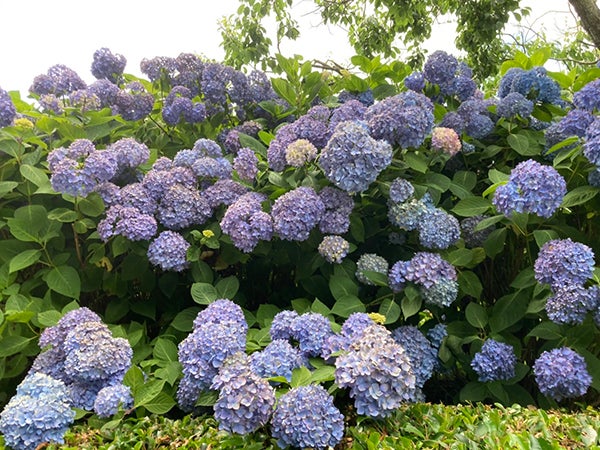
208 238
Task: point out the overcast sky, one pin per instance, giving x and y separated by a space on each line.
37 34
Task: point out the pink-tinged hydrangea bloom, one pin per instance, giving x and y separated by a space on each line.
445 140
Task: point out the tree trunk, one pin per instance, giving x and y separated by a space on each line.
589 15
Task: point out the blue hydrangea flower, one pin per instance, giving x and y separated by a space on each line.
355 324
401 190
531 188
453 120
407 215
426 269
111 398
128 222
575 123
591 150
39 413
348 111
415 82
105 90
281 326
352 159
222 310
377 371
133 102
130 153
437 334
7 109
404 120
188 391
471 237
495 361
246 223
569 304
311 330
334 249
181 207
440 67
59 80
438 229
169 251
84 100
50 103
278 359
421 354
296 213
223 192
55 336
305 416
535 84
442 293
245 400
513 105
561 373
594 177
135 195
108 65
587 97
338 206
397 275
246 164
365 97
562 262
372 263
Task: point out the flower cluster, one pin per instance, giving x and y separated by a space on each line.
245 400
445 140
300 152
352 159
587 97
377 371
370 262
169 251
334 249
40 412
246 223
452 77
217 334
561 373
514 105
111 398
534 84
8 111
306 417
474 238
179 105
531 188
108 65
495 361
296 213
278 359
246 164
59 80
338 206
421 353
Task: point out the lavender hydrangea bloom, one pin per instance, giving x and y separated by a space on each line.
415 82
208 147
401 190
130 153
426 269
534 84
513 105
562 262
453 120
245 400
111 398
85 100
56 335
105 90
440 67
158 67
207 167
372 263
355 325
222 310
334 249
495 361
135 195
128 222
7 109
407 215
594 177
39 413
352 160
50 103
281 326
296 213
109 66
188 392
133 102
591 150
246 223
575 123
421 354
159 179
397 275
230 138
223 192
338 206
438 229
83 394
305 416
169 251
569 304
437 334
59 80
404 119
561 373
181 207
278 359
377 371
587 97
311 330
246 164
531 188
351 110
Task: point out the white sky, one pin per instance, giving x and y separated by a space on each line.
37 34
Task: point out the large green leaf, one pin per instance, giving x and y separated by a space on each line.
11 345
64 280
24 259
204 293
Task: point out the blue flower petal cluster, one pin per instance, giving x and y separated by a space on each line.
181 207
401 190
296 213
569 304
377 371
130 153
311 330
306 417
535 84
532 188
334 249
230 137
222 310
246 164
408 214
471 237
111 398
278 359
575 123
135 195
352 159
245 400
438 229
437 334
246 223
587 97
403 120
169 251
440 67
281 326
495 361
365 97
372 263
563 262
133 102
561 373
7 109
108 65
59 80
352 110
37 414
442 293
179 106
421 353
223 192
338 206
415 82
104 89
474 116
128 222
514 105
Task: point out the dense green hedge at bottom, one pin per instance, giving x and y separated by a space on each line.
413 426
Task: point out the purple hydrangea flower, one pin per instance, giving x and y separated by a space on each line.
587 97
7 109
338 206
437 334
281 326
105 90
311 330
169 251
223 192
421 353
133 102
305 416
296 213
575 123
352 160
415 82
222 310
111 398
334 249
426 269
207 167
59 80
130 153
352 110
85 100
562 262
158 180
513 105
438 229
495 361
401 190
50 103
128 222
569 304
278 359
135 195
531 188
246 223
535 84
157 67
377 371
246 164
181 207
370 262
109 66
440 67
365 97
230 138
397 275
561 373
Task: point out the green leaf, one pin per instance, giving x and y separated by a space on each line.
546 330
390 309
161 404
347 305
319 307
170 372
134 378
543 236
471 206
265 314
497 177
204 293
6 187
540 56
64 280
416 162
323 374
579 195
473 392
469 283
92 205
11 345
184 320
494 244
476 315
35 175
341 286
508 310
228 287
524 279
49 318
411 305
301 377
147 392
285 90
207 398
63 215
378 278
24 259
165 350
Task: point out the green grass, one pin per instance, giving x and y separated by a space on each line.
413 426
